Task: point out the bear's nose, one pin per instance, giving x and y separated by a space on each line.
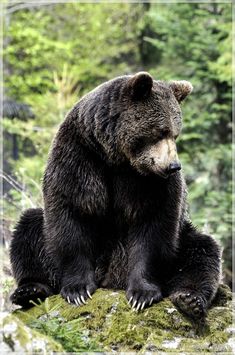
173 167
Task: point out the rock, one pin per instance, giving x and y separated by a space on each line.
106 323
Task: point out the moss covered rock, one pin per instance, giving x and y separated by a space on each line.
107 323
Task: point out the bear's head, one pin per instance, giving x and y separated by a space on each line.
144 122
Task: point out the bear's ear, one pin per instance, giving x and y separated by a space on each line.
181 89
140 85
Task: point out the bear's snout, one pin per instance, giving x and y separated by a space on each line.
173 167
163 158
160 158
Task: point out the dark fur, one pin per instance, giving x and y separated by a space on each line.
110 220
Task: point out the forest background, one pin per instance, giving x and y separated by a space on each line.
55 53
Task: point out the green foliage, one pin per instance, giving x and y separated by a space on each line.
54 54
93 40
46 319
67 334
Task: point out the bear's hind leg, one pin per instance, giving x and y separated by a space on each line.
26 254
196 279
30 291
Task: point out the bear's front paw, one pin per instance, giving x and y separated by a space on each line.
191 303
78 292
143 294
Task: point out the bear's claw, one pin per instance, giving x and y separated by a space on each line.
142 298
139 306
89 295
77 295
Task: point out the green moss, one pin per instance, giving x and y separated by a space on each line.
107 323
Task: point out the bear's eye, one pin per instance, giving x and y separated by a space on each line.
137 145
164 133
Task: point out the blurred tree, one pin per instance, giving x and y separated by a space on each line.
95 41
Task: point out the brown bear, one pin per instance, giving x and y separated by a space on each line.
115 212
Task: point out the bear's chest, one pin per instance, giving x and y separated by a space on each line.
138 198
